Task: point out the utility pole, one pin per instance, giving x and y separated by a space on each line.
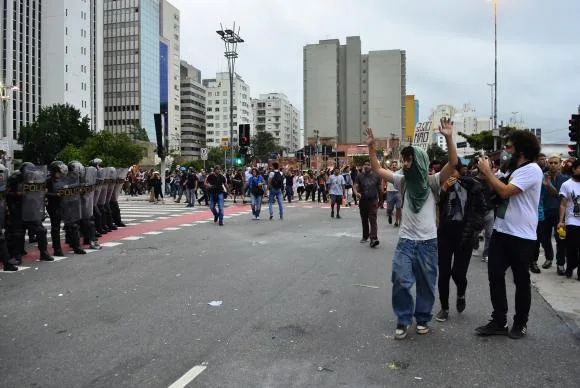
231 38
495 131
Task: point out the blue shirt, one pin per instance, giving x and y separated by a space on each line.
257 179
552 204
543 194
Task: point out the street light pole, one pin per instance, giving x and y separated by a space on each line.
495 143
231 38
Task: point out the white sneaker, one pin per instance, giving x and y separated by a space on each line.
475 253
258 218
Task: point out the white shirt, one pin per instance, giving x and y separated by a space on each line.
571 191
419 226
336 183
518 215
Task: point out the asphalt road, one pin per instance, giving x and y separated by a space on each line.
304 304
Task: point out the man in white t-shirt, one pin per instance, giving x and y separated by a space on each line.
415 258
570 219
513 241
394 199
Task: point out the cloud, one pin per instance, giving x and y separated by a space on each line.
449 47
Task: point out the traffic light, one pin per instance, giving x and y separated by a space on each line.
574 134
238 161
244 135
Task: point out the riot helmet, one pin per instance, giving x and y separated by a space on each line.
57 167
25 166
96 162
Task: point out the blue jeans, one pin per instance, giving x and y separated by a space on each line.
217 199
190 196
256 204
278 194
414 262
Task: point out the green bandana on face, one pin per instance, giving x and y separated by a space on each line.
416 183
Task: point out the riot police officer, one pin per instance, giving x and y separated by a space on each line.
100 193
25 199
88 176
56 169
9 264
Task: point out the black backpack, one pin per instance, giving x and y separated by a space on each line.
277 180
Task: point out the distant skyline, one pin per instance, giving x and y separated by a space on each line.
449 49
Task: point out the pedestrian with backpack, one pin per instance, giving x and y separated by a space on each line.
256 187
276 186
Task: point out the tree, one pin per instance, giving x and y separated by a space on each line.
55 127
215 156
264 143
482 140
437 153
359 160
115 149
138 133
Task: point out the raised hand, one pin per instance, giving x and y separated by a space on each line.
446 127
370 140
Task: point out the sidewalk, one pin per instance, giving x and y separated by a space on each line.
561 293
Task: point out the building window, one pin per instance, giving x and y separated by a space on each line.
66 86
66 68
66 49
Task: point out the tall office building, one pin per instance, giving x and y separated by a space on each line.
131 60
170 72
65 54
193 100
346 92
411 118
274 113
217 117
21 67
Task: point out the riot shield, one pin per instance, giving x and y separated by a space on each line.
101 175
33 189
121 176
68 188
88 183
3 179
112 180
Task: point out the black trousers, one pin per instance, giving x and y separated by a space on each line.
368 215
507 251
454 258
55 221
116 212
16 230
87 229
549 226
98 220
572 247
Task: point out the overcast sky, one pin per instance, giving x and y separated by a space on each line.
449 45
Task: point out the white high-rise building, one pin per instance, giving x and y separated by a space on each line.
169 18
467 122
346 92
65 54
20 67
441 111
193 100
218 108
274 113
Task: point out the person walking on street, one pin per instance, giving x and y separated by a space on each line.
570 219
513 242
256 185
367 188
337 191
275 186
216 185
415 258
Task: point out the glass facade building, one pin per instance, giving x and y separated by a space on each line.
163 77
149 38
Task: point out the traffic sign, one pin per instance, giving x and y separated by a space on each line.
203 152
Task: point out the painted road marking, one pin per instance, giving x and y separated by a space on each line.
202 222
148 220
189 376
132 224
153 233
163 218
132 238
110 244
171 228
19 269
186 224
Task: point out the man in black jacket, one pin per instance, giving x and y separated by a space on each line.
461 217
